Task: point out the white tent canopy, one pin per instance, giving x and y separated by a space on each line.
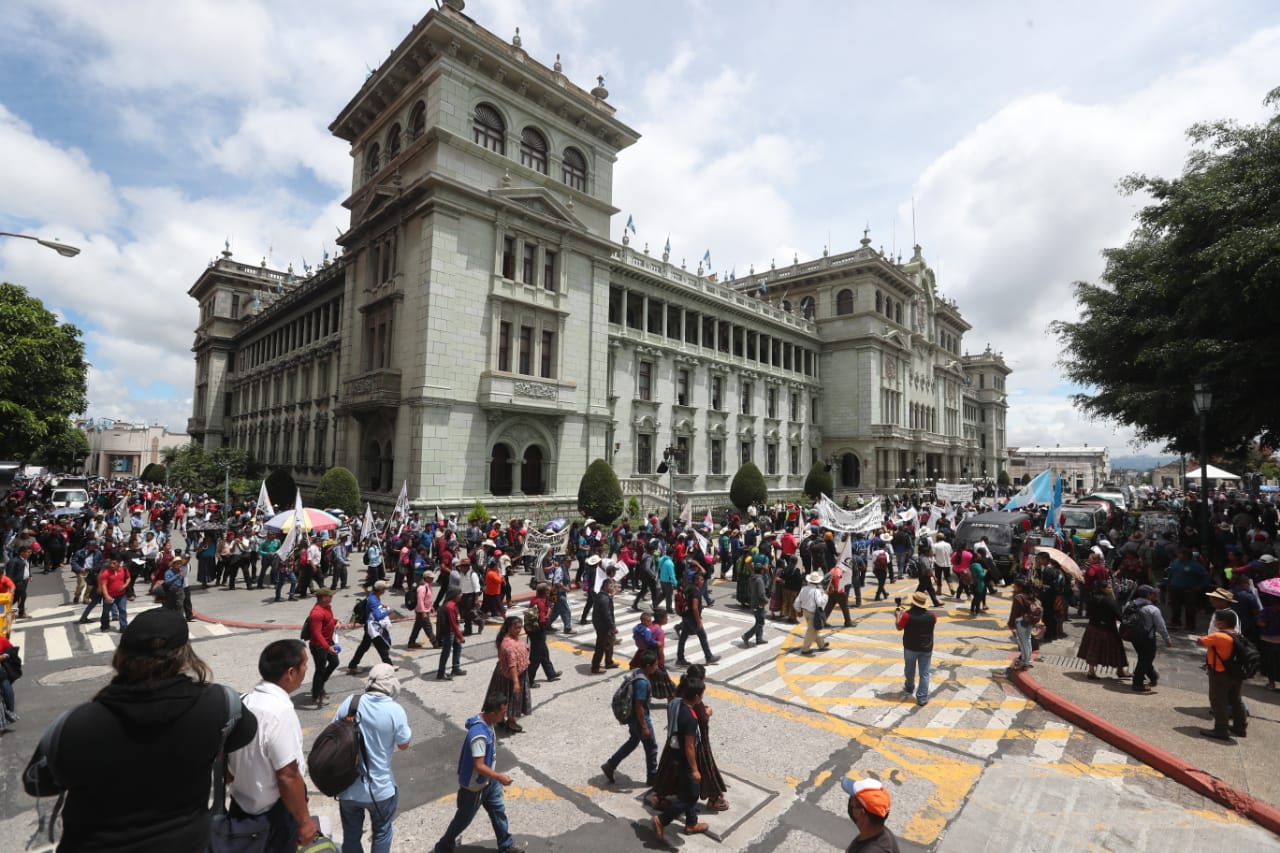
1212 473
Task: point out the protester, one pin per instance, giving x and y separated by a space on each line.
1224 689
640 725
449 630
113 586
384 727
759 597
160 712
510 678
18 570
8 701
266 774
479 782
377 628
1144 639
810 603
682 738
536 630
917 624
319 630
868 807
422 611
1021 623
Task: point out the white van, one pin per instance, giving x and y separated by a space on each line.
73 498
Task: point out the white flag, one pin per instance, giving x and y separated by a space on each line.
439 514
708 521
686 512
366 526
122 508
296 534
401 512
264 501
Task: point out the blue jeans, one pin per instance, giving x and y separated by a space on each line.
1022 633
636 739
469 802
449 643
685 800
688 628
6 697
291 578
924 660
382 815
117 606
560 610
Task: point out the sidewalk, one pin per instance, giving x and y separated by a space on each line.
1162 728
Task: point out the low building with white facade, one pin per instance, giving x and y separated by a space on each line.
124 449
1085 468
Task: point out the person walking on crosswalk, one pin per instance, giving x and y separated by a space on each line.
916 624
810 602
759 597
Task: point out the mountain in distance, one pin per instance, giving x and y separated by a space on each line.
1140 463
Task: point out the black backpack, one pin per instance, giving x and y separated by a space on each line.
1131 626
334 762
1244 661
360 613
624 697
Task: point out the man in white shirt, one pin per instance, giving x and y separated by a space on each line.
942 564
266 775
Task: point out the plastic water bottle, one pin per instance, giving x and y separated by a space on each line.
337 648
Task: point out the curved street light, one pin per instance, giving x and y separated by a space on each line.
61 248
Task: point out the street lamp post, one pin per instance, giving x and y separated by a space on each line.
1201 401
668 467
61 248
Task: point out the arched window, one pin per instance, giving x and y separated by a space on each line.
897 313
489 130
786 305
373 160
808 308
532 481
533 150
500 470
574 172
879 302
417 120
850 471
844 302
393 141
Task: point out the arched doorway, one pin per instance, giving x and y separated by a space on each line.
388 466
532 479
850 471
373 466
500 470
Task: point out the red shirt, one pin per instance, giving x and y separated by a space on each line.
321 624
114 582
788 544
543 607
449 615
493 581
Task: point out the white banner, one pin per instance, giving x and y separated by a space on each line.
537 545
832 517
702 542
954 492
906 516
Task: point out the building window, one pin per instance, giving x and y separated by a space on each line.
808 308
548 355
488 130
746 397
717 393
526 350
418 120
771 458
372 160
528 261
574 172
509 257
795 459
549 279
682 387
235 306
393 142
500 470
644 453
682 455
771 402
744 450
795 406
844 302
897 313
813 410
879 302
504 346
533 150
717 456
321 433
644 380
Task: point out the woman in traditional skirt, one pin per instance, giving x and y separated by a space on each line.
1101 644
660 684
713 784
511 674
775 590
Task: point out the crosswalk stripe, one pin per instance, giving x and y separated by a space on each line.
216 629
56 644
98 642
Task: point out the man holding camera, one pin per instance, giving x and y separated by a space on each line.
916 624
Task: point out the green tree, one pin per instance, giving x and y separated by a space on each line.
64 447
478 513
281 488
599 493
1191 297
1003 480
338 488
747 487
633 508
42 376
153 473
819 482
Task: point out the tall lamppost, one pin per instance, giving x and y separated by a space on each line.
668 467
61 248
1202 400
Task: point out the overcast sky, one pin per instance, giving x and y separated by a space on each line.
148 131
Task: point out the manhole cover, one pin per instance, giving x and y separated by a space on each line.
79 673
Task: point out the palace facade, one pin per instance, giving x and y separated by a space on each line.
481 335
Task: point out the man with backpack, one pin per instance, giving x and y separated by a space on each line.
1224 649
1140 622
638 721
383 727
479 782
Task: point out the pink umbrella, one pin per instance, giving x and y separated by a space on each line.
312 520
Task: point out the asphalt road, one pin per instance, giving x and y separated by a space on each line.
979 768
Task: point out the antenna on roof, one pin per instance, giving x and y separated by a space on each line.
914 241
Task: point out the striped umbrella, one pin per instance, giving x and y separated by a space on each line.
312 520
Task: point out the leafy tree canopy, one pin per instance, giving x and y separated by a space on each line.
599 493
42 376
64 447
747 487
819 482
1192 297
338 488
478 513
199 470
1002 478
153 473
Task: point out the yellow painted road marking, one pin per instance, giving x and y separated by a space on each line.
881 679
901 699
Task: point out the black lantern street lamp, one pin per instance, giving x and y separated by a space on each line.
1202 401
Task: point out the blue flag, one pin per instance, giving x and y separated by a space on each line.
666 250
706 260
1038 491
1051 522
631 225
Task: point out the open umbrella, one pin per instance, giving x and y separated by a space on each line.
312 520
1064 562
1271 586
555 525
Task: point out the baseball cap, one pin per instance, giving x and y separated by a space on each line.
155 632
870 793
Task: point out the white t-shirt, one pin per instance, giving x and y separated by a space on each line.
277 745
942 553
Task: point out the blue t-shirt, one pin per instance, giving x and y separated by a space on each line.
640 691
384 725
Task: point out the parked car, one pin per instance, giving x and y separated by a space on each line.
1005 532
74 498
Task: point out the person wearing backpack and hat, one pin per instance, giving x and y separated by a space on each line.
384 728
916 624
1143 639
868 807
810 603
1224 688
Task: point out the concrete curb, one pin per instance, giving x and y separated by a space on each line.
1170 765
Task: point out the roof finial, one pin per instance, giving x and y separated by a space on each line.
557 67
866 236
515 41
600 91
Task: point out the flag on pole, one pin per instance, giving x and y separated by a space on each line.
401 512
1051 521
686 513
706 260
1038 491
264 502
631 225
366 526
439 515
666 250
708 521
122 508
296 534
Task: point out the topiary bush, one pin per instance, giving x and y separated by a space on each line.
599 493
747 487
281 488
153 473
819 482
1002 478
478 513
338 488
633 508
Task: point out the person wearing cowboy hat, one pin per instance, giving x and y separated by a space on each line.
810 602
175 587
916 624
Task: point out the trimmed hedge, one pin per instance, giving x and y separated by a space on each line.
338 488
747 487
819 482
599 493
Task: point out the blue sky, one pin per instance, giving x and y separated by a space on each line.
146 132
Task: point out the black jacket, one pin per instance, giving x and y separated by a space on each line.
137 766
917 636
